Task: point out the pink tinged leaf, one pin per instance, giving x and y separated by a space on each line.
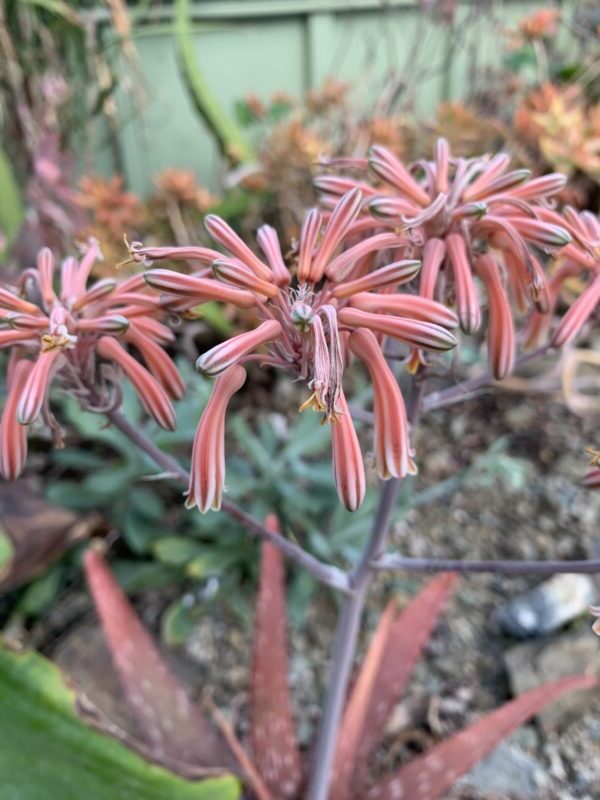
45 268
387 167
406 305
274 746
393 454
496 166
36 386
431 775
167 720
222 233
411 331
434 253
339 269
207 473
159 363
151 394
13 435
501 331
340 221
268 242
467 301
222 356
395 649
348 467
577 315
396 274
234 272
311 228
198 289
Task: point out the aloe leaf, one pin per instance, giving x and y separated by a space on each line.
230 138
11 208
46 751
431 775
274 746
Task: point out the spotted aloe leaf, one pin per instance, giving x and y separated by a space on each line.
169 723
273 740
431 775
393 653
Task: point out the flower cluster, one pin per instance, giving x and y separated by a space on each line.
327 303
78 336
466 218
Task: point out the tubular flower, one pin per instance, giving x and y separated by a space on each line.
305 316
577 269
61 330
450 212
207 475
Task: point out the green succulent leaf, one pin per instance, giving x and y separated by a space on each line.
46 751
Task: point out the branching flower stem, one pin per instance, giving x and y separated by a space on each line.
348 627
326 573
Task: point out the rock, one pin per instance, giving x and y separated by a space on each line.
548 607
531 664
508 770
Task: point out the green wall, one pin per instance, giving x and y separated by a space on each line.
261 46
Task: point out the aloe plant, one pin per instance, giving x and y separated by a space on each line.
272 763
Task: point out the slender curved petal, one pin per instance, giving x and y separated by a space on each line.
348 468
501 332
207 475
13 435
393 454
152 395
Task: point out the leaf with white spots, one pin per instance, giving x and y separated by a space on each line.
274 746
168 722
431 775
393 654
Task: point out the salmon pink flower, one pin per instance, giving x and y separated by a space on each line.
450 211
305 316
207 475
393 454
63 331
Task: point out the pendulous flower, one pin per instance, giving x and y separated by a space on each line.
452 211
61 330
307 311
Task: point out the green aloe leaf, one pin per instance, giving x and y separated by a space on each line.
11 207
47 752
229 136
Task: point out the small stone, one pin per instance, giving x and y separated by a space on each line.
547 607
510 771
531 664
